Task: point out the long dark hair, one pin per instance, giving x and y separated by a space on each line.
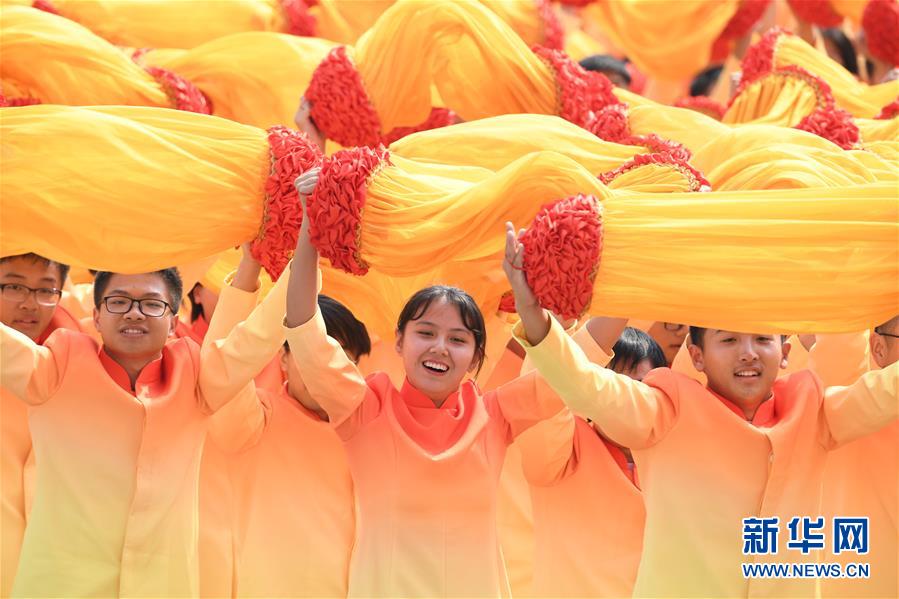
471 315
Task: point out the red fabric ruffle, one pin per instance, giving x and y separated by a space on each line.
6 102
292 154
182 94
759 58
881 24
703 104
695 179
576 3
562 250
832 123
340 106
747 15
816 12
299 20
335 207
439 117
553 33
580 93
609 123
889 111
660 145
507 303
45 5
138 54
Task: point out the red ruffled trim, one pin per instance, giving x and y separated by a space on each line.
609 123
507 303
695 179
889 111
659 145
299 21
881 24
703 104
834 124
138 54
747 15
439 117
292 154
576 3
553 33
22 101
816 12
562 251
580 93
182 94
45 5
759 58
335 207
340 106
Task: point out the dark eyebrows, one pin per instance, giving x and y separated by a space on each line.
14 275
429 323
151 295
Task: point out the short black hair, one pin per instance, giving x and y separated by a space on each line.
170 276
848 56
634 346
471 314
705 81
63 269
604 63
343 326
696 334
196 309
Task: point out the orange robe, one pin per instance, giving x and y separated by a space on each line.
15 451
425 477
123 465
703 468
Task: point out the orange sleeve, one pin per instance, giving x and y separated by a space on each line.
548 449
839 359
862 408
29 371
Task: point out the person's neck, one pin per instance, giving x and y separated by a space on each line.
132 365
302 397
749 408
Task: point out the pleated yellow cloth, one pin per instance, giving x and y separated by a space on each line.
255 78
666 40
133 189
57 61
179 23
533 20
779 48
344 21
770 157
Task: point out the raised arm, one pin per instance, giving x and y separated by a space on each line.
863 407
629 412
335 384
27 370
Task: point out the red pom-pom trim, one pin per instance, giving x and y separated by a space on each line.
576 3
659 145
580 93
747 15
562 251
609 123
45 5
695 179
340 106
507 303
834 124
703 104
881 24
182 94
553 33
759 58
6 102
299 21
335 207
439 117
816 12
292 154
889 111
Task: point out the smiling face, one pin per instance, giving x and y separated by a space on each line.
28 316
133 335
740 367
438 350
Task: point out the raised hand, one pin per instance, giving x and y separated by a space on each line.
303 121
534 319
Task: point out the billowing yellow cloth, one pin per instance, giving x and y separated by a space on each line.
57 61
860 99
665 39
773 100
170 23
688 127
769 157
255 78
344 21
746 260
532 20
133 189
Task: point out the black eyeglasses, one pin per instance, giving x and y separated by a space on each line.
120 304
886 334
45 296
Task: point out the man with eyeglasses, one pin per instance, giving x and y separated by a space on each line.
118 429
30 288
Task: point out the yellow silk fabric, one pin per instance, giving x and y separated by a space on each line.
668 40
344 21
255 78
860 99
522 17
775 99
478 64
652 178
769 157
128 189
170 23
60 62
